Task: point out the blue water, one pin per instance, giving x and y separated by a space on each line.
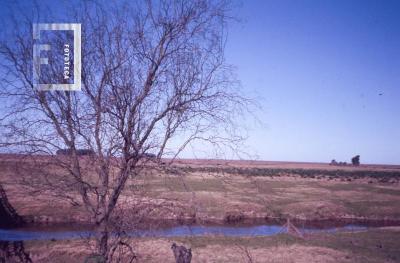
177 231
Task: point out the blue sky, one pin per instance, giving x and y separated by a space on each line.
329 75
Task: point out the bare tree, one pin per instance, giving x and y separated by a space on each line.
154 80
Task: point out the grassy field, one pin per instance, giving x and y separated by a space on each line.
210 191
217 195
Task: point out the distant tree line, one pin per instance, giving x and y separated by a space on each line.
79 152
355 161
82 152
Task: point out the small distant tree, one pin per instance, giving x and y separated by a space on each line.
356 160
333 162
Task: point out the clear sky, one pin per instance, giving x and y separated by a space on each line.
329 76
328 73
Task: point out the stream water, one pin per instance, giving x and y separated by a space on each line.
46 233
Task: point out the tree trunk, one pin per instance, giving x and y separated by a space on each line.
8 215
102 240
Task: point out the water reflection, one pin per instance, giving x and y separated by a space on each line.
176 231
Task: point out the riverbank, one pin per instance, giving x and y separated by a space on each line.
376 245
